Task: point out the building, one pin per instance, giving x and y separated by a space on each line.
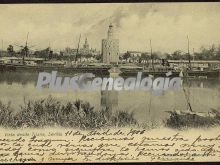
110 47
69 52
135 53
85 50
197 64
85 53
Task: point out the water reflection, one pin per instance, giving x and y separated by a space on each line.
109 100
204 94
201 84
25 78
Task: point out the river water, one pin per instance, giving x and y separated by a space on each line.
204 95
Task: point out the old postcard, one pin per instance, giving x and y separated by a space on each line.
109 82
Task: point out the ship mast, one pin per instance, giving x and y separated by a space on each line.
187 96
187 99
25 49
151 54
189 54
2 48
77 49
193 55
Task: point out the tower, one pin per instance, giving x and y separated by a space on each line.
110 32
110 47
85 49
86 45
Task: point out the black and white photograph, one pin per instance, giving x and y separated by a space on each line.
110 82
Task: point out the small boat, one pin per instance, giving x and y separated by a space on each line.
114 71
182 119
130 67
190 118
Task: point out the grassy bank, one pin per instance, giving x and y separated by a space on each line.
51 112
178 121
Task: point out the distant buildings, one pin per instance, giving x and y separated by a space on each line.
135 57
84 54
135 53
85 50
110 47
195 64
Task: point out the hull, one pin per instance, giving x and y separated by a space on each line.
105 71
184 119
190 74
62 69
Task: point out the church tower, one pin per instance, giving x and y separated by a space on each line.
110 47
85 49
86 45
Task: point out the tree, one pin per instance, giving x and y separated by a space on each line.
10 50
145 56
176 55
60 57
98 57
208 54
168 56
50 54
45 53
218 53
156 56
126 56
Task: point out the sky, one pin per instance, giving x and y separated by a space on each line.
59 25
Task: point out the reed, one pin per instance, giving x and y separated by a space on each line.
191 121
51 112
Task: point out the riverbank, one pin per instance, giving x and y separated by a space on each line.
51 112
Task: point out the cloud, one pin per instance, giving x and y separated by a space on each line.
166 24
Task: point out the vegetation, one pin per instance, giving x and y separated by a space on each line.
192 120
46 53
10 50
205 53
50 112
209 53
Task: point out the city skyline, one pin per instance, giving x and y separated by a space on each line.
59 26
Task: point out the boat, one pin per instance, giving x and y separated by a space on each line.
189 117
182 119
114 71
130 68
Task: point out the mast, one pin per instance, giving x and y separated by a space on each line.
25 48
193 55
2 48
187 100
77 49
187 96
152 60
189 54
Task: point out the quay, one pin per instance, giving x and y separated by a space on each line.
39 65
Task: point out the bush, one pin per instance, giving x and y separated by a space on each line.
50 112
191 120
